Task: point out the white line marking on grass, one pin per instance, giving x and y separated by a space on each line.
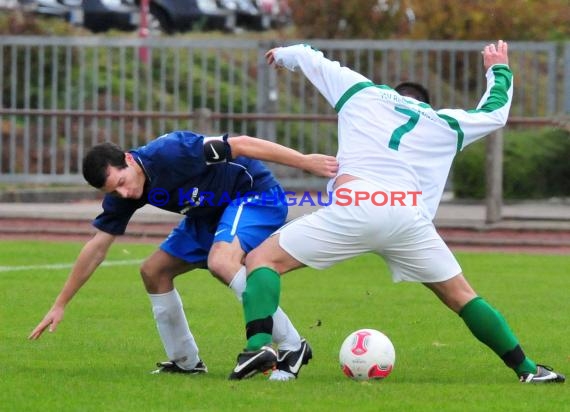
57 266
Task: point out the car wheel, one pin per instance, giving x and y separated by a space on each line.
158 22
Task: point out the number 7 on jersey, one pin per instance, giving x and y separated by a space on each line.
403 129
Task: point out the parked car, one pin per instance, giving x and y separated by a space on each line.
95 15
70 10
165 16
102 15
248 14
171 16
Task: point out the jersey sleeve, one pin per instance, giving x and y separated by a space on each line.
329 77
182 153
116 214
491 113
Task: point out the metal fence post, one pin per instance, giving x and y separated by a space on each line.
266 93
204 123
566 79
494 176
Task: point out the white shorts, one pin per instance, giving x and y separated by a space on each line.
402 235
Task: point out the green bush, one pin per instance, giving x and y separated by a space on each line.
536 165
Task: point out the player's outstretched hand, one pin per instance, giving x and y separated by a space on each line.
51 320
270 57
321 165
495 54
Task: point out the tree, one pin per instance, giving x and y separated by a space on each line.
349 19
528 20
483 20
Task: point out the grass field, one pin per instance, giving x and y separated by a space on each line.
100 356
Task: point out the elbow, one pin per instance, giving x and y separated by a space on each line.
502 119
498 122
495 117
98 246
239 145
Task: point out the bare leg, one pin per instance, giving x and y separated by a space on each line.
484 321
454 292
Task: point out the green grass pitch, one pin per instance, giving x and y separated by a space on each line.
100 356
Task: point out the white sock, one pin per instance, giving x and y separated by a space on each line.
238 282
284 333
173 329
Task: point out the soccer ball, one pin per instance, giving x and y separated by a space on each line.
367 354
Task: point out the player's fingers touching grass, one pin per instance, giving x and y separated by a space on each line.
51 320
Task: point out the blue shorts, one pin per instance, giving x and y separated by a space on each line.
251 219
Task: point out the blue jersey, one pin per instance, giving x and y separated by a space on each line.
179 179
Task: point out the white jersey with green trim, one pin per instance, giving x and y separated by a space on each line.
397 142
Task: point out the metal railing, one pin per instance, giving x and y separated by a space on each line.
62 95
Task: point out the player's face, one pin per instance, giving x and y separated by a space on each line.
127 183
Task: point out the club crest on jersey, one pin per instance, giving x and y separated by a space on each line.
189 199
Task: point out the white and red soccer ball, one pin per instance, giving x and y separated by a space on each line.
367 354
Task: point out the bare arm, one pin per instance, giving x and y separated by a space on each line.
90 257
317 164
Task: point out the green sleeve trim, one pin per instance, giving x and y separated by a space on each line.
351 92
498 96
454 125
309 46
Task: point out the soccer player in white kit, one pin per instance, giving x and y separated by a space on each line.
394 155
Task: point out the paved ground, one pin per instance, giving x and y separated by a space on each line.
526 226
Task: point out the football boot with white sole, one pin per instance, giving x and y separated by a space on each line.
544 374
289 362
172 367
250 363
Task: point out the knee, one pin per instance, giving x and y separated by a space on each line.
223 267
216 266
150 276
255 259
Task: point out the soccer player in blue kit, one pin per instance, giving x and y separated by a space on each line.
231 202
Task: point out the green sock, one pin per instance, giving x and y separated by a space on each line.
489 326
260 301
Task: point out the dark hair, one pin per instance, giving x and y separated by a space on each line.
98 159
415 90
